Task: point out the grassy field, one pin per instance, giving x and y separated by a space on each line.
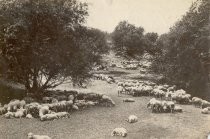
98 122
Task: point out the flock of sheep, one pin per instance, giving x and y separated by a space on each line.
56 105
168 96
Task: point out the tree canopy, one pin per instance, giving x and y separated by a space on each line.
130 40
185 50
44 42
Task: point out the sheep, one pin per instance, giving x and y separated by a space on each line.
33 109
51 116
171 105
29 116
32 136
9 115
13 105
120 90
205 104
91 103
132 119
205 111
178 109
155 105
62 114
128 100
20 113
75 107
44 110
197 101
119 132
3 110
107 100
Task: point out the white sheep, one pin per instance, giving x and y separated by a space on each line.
9 115
128 100
178 109
3 110
132 119
50 116
205 111
43 110
205 104
32 136
197 101
119 132
29 116
20 113
62 114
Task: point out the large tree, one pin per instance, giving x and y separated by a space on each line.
43 43
128 39
186 48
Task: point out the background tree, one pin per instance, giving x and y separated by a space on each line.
128 39
185 50
43 44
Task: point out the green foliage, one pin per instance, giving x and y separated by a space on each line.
43 42
185 50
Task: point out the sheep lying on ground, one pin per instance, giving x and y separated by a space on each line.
178 109
128 100
54 115
107 101
32 136
29 116
20 113
9 115
132 119
205 111
119 132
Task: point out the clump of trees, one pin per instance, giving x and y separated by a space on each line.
130 41
44 42
183 56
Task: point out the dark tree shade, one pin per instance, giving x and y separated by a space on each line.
42 42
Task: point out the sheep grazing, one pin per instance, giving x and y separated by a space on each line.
132 119
128 100
120 90
119 132
197 101
32 136
161 106
205 111
205 104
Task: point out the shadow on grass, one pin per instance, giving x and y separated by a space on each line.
8 93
